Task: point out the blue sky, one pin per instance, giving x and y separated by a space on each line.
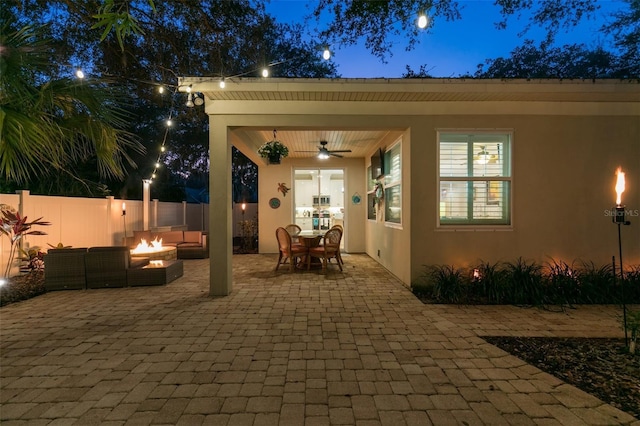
448 49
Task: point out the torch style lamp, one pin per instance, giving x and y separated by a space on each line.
619 219
124 220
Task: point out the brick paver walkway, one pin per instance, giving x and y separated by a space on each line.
290 349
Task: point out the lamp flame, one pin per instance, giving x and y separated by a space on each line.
619 186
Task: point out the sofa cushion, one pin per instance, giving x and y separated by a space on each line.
140 235
171 237
193 237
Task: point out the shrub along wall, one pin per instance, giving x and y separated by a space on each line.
523 282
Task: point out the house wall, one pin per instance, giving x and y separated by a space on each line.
564 156
563 184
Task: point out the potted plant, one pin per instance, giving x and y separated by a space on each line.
273 150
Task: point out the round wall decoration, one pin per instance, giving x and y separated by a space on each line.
356 198
274 203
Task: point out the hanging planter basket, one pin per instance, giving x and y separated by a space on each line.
274 159
274 151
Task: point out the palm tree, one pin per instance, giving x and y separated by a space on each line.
50 124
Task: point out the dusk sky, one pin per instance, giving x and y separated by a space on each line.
448 49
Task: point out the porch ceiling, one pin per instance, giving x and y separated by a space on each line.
304 143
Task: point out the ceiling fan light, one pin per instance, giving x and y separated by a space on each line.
323 155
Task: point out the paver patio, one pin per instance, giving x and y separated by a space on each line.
291 349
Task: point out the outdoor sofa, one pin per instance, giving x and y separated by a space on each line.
95 267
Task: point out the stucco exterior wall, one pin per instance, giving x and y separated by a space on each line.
568 139
563 184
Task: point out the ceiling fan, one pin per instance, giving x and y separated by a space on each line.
324 153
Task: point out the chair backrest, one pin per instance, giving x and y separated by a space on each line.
284 240
332 238
293 229
339 227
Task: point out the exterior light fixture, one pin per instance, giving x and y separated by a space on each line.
619 219
189 101
423 21
197 100
326 54
265 72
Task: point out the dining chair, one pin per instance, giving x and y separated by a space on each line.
289 252
293 230
342 231
328 250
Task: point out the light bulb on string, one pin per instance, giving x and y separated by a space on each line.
161 89
189 103
157 165
80 74
162 148
265 72
169 122
326 54
422 20
223 84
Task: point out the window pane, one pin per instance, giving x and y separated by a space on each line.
454 159
393 204
454 200
489 159
392 159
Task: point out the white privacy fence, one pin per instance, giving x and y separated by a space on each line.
89 222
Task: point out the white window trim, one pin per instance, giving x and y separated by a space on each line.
476 227
395 225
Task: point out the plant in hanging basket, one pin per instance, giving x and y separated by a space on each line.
273 150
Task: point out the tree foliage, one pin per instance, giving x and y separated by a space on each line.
169 39
48 123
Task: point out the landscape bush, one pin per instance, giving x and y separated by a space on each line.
530 283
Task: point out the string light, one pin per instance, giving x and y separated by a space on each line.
195 99
80 74
422 20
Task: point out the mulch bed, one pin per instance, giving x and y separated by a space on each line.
603 368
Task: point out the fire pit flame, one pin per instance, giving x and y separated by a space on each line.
145 247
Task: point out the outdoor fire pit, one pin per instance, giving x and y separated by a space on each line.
154 251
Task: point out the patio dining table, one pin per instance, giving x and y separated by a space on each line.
310 238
